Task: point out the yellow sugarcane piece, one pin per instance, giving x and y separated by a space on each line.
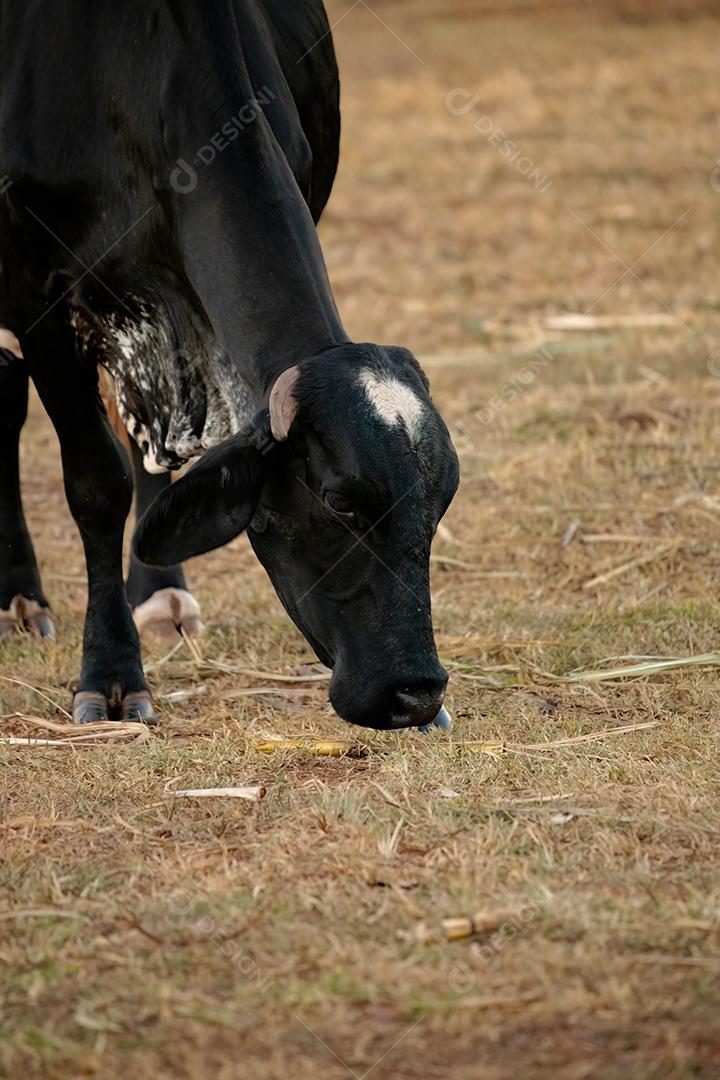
318 747
457 929
484 922
460 928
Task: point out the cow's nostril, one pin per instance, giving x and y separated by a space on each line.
415 710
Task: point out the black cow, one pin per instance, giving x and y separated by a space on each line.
164 164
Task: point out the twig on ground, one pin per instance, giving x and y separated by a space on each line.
83 735
633 564
649 667
577 740
192 646
155 664
251 673
234 692
36 690
41 913
496 749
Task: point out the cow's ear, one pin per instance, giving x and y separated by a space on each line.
283 405
204 509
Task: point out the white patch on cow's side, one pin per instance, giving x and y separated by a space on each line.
394 402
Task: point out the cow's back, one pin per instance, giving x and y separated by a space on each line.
85 86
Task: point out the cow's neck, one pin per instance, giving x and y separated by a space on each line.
253 256
252 252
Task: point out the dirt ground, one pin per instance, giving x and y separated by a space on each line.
226 939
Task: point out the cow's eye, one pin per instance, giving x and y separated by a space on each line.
340 506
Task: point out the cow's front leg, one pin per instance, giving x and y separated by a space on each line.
98 486
159 596
23 605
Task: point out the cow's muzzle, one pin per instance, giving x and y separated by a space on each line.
418 703
416 709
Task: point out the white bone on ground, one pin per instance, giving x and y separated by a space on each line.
177 605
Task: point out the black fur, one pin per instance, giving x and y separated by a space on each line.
19 575
143 580
206 508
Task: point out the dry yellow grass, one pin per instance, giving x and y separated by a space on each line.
228 939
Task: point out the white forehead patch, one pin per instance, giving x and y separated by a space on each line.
393 401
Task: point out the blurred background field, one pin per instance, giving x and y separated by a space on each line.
564 297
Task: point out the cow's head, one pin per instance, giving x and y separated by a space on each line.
341 482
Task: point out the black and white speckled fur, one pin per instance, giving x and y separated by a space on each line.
178 393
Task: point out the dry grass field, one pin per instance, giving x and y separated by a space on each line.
218 938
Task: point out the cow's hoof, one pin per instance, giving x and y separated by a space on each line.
168 613
90 707
138 708
27 616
